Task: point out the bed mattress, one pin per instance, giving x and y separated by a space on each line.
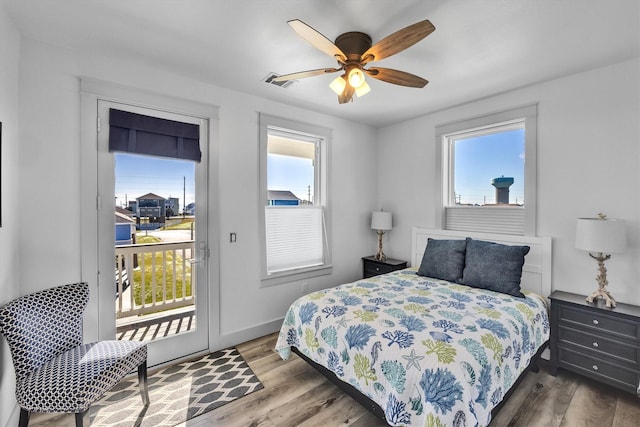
427 351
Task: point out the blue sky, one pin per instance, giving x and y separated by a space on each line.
290 173
138 175
480 159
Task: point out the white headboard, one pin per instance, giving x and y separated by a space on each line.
536 272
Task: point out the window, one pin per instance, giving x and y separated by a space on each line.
293 200
489 173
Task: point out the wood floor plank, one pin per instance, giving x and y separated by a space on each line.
295 394
274 375
270 362
545 404
627 411
344 411
254 408
255 349
518 398
319 399
369 420
590 406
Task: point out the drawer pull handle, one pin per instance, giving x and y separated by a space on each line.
595 321
595 367
377 268
595 344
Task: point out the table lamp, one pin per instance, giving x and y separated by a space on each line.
601 237
381 222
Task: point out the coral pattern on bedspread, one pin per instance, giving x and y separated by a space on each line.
429 352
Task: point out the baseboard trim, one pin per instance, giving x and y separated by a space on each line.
14 417
248 334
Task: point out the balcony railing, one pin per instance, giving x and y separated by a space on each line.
154 277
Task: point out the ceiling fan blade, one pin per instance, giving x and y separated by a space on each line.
398 41
304 74
346 95
317 39
396 77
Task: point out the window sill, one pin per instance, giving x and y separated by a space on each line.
294 275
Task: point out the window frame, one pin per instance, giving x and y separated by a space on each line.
477 216
309 133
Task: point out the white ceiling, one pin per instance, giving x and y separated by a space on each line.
479 48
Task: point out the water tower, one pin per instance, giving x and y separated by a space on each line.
502 185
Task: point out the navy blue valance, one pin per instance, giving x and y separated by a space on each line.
137 133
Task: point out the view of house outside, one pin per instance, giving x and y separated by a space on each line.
171 179
154 222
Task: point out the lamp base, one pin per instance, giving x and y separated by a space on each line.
605 295
380 256
602 291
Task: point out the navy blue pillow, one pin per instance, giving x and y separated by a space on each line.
494 266
443 259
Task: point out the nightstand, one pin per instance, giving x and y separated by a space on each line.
596 341
371 267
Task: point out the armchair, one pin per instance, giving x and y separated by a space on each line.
55 371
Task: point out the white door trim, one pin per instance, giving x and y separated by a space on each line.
91 92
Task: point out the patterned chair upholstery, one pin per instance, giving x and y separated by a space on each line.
55 371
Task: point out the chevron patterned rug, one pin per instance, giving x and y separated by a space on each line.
178 393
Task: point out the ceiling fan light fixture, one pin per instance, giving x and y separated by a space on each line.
363 89
338 85
353 50
356 77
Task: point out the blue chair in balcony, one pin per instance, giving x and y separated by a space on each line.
55 371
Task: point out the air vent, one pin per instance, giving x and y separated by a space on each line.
271 76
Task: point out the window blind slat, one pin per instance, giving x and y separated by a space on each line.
487 220
294 237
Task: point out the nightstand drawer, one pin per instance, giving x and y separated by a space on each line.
372 267
596 368
598 321
376 269
617 349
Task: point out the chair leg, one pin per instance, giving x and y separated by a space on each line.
24 418
143 383
82 419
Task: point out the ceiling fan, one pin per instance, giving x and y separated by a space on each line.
353 51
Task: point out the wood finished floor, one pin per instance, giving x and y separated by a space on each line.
295 394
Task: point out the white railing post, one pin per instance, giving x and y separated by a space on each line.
128 273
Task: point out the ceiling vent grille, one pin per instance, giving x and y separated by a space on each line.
271 76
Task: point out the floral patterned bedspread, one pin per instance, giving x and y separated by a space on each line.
429 352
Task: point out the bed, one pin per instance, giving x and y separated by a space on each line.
416 346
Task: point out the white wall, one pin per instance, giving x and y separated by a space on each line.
588 156
50 173
49 168
9 238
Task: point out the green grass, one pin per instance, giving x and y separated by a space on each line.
181 287
183 224
141 239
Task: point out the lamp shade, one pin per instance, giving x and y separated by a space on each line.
338 85
601 235
381 220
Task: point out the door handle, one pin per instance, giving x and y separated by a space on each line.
203 253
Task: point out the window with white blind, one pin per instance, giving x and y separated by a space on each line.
293 200
489 172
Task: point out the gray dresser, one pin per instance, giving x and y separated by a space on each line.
593 340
